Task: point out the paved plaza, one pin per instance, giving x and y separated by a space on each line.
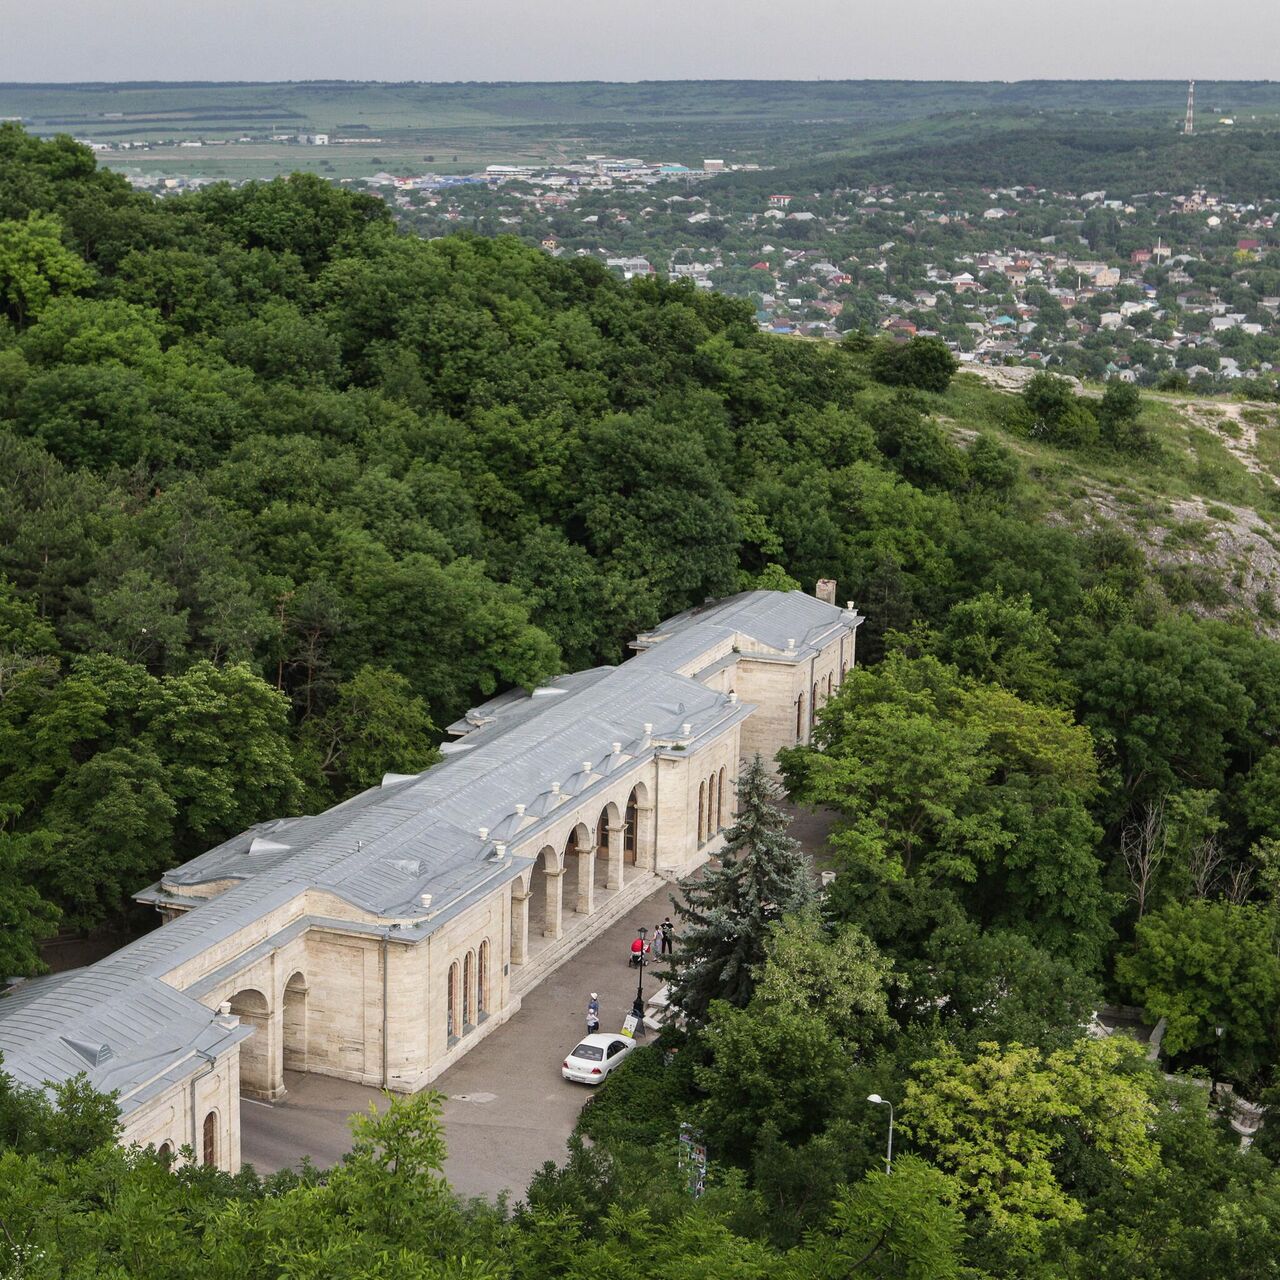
508 1110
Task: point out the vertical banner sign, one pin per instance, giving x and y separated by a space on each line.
693 1159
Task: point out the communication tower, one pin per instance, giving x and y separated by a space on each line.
1190 127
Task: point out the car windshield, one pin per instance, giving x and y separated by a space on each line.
592 1052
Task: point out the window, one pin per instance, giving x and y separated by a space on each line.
702 804
831 675
165 1149
589 1052
720 798
482 978
469 990
800 716
814 702
452 1001
616 1048
210 1152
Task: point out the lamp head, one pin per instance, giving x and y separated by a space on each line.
874 1097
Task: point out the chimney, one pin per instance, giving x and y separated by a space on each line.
733 695
586 766
484 833
648 731
826 590
791 644
686 730
519 811
555 788
616 748
425 899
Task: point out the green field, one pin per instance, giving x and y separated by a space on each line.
769 122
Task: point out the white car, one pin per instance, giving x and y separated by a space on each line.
595 1056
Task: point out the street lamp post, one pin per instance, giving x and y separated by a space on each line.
884 1102
638 1008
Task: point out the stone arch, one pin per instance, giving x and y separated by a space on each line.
579 858
259 1075
209 1140
638 840
545 886
609 848
453 1023
294 1023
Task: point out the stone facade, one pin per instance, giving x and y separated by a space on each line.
289 938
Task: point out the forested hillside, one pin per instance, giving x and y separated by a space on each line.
282 490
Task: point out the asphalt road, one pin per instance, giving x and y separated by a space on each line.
508 1109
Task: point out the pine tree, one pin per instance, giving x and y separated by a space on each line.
726 911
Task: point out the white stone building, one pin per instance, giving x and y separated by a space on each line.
382 939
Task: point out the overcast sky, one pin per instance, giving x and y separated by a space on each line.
59 40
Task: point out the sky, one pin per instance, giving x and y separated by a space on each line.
73 40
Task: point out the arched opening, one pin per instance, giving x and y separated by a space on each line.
814 702
831 675
713 816
256 1074
844 671
165 1150
720 799
469 991
482 979
608 846
631 826
800 717
579 859
295 1023
209 1140
702 804
453 1026
544 893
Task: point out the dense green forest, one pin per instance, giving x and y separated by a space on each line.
282 489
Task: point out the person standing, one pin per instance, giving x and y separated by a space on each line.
593 1014
667 930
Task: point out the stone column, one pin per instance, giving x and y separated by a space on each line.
616 837
273 1030
585 902
646 837
519 925
552 923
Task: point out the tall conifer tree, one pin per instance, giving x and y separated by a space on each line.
726 911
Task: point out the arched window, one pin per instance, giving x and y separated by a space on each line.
469 990
210 1136
452 1001
800 716
844 671
702 804
831 675
814 702
482 978
720 799
165 1149
713 818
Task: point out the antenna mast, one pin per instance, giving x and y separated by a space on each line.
1190 127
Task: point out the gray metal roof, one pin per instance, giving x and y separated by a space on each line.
382 850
